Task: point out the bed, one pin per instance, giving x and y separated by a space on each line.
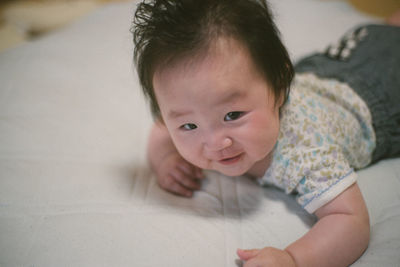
75 188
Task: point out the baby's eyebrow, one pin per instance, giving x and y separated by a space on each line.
229 97
226 98
173 114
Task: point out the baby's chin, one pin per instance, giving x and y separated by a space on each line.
232 172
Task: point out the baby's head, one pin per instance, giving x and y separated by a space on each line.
168 32
216 74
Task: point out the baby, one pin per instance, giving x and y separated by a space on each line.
222 89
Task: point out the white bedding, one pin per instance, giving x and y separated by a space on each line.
74 186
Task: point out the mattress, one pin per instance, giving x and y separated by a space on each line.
75 188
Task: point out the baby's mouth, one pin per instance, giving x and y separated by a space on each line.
232 160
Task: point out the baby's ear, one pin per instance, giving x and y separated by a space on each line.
280 100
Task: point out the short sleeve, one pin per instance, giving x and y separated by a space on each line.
316 175
325 174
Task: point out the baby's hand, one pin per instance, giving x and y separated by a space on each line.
268 256
178 176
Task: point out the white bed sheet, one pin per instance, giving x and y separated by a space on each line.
74 186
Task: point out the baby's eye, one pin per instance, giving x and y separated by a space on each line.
188 126
234 115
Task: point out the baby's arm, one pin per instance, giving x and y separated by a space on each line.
174 174
339 237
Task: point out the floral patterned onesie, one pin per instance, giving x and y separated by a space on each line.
325 132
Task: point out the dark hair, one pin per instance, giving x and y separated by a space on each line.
171 30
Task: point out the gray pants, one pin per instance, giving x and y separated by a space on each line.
368 60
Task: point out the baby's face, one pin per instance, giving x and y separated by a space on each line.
219 110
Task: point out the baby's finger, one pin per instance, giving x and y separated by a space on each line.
171 185
186 168
199 173
191 171
179 189
245 255
185 180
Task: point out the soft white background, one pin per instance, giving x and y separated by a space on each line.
74 186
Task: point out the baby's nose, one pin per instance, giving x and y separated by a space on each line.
215 144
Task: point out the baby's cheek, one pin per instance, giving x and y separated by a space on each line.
263 141
189 153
